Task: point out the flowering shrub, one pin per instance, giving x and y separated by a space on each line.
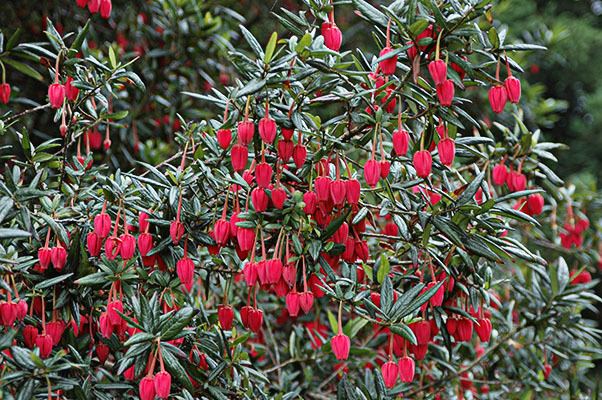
361 223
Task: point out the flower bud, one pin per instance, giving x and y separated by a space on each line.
353 191
385 168
512 86
176 231
388 65
239 157
185 271
105 8
516 181
102 351
246 130
259 199
146 388
447 151
497 98
390 373
44 257
225 315
322 187
71 91
423 162
56 95
535 204
273 270
250 274
102 225
500 174
4 93
267 129
285 149
483 329
245 238
255 319
464 330
287 133
105 325
224 137
8 313
332 36
93 6
221 229
114 309
58 256
162 384
278 197
406 369
372 172
401 142
128 246
340 344
311 200
145 243
263 174
299 155
445 92
30 333
44 343
306 301
55 330
438 71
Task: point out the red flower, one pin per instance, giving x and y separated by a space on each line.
246 130
438 71
58 256
513 89
146 388
390 373
388 65
185 271
44 343
372 172
105 8
340 344
406 369
56 95
401 142
225 315
332 35
239 157
423 162
162 384
447 151
4 93
445 92
497 98
224 137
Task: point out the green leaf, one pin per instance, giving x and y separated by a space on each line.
370 13
269 50
386 295
24 69
52 282
81 36
255 46
469 193
563 275
177 322
9 233
494 39
405 332
383 269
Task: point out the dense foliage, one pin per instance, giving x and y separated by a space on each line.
191 211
